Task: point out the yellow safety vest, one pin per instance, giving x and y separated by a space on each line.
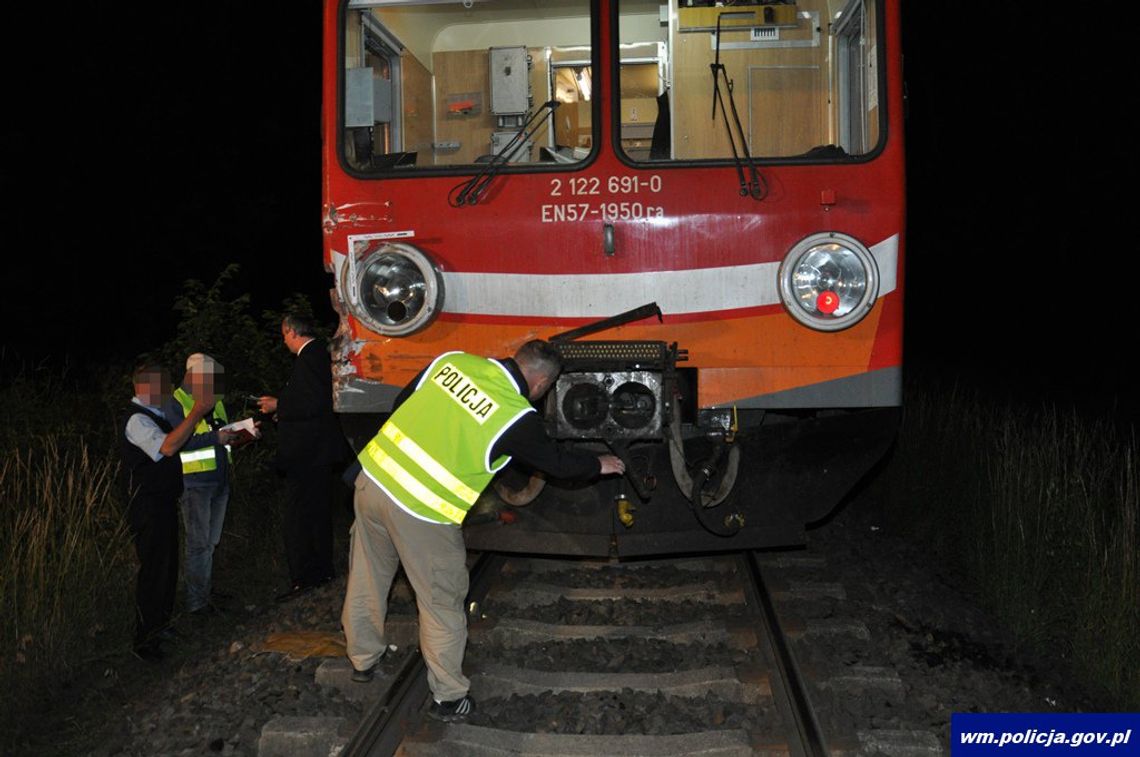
433 455
204 459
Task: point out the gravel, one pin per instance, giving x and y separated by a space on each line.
611 612
611 656
628 577
611 713
218 690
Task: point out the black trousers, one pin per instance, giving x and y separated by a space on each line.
153 521
308 524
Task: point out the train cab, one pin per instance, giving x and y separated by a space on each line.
700 204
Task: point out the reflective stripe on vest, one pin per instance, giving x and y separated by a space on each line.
432 454
204 459
433 467
198 460
426 496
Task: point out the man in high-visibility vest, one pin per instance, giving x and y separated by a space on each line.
205 475
457 424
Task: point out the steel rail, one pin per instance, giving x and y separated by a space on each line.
791 680
399 710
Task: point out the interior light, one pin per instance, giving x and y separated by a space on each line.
584 83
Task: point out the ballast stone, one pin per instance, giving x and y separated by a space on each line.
297 736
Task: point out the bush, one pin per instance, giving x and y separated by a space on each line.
218 323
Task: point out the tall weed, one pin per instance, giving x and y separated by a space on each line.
1038 507
66 564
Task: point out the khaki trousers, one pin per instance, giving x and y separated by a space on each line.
435 561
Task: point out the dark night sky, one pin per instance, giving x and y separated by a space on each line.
143 145
159 145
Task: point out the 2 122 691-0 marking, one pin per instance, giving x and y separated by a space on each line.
617 185
585 186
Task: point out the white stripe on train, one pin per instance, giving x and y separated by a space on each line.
698 290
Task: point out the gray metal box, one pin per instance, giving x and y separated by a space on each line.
510 80
358 97
522 151
367 100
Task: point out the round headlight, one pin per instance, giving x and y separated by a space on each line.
399 291
829 281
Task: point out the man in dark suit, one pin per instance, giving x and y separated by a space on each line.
310 446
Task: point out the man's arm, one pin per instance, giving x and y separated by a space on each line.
176 439
208 439
527 442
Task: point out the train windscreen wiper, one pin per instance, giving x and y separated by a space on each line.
753 185
469 192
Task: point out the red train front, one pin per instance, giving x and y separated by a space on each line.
500 170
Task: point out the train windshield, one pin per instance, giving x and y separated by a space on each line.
431 84
780 80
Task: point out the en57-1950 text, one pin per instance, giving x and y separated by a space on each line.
604 211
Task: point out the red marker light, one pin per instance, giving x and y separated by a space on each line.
827 302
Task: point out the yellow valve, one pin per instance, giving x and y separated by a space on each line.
625 510
730 436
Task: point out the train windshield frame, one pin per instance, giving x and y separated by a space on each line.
433 88
781 82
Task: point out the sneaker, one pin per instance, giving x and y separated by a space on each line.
363 676
454 711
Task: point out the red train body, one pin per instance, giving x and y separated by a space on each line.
455 221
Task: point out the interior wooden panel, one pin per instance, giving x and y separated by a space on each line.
467 71
352 40
781 102
872 33
696 135
566 117
458 73
416 90
706 17
539 86
639 84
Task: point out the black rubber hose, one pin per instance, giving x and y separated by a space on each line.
639 486
703 473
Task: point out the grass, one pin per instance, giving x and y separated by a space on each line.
1037 507
65 564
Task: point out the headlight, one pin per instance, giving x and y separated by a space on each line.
829 281
398 290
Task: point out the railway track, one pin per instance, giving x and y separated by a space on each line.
670 657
